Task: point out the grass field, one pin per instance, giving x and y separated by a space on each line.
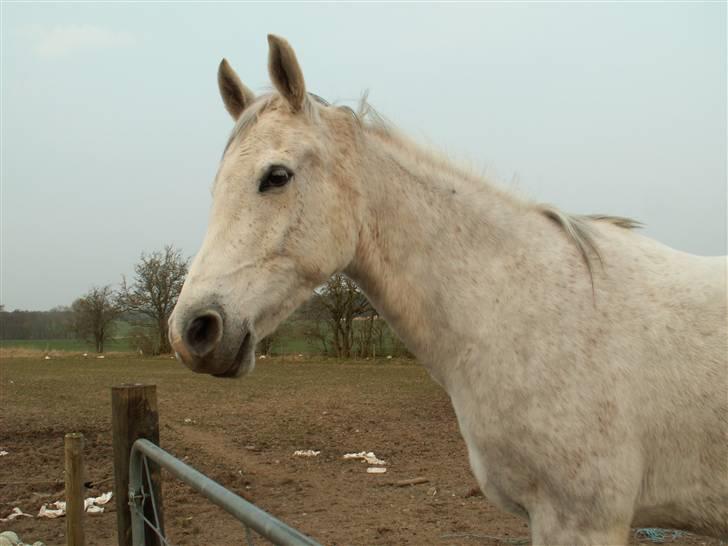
286 345
243 433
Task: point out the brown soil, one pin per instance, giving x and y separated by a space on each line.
243 434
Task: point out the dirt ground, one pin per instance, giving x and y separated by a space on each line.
243 434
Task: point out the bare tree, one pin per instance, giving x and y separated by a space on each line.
343 302
94 314
158 280
370 334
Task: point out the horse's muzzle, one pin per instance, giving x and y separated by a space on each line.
203 345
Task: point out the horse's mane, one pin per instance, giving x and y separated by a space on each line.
579 228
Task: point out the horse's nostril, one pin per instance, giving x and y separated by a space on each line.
204 333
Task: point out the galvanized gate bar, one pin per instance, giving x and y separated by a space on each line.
260 521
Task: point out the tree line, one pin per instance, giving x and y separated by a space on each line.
337 320
53 324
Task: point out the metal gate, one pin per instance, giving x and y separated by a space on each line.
141 492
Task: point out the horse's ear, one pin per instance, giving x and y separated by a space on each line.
285 72
234 94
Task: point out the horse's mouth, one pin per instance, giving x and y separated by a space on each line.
244 358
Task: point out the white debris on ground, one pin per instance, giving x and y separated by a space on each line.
52 513
3 453
8 538
306 453
376 470
92 505
367 456
95 505
47 357
16 513
100 356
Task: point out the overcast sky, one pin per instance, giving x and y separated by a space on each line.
112 126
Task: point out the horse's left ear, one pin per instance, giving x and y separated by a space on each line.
285 72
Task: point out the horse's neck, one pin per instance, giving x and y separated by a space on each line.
436 246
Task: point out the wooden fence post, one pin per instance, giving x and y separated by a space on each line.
73 449
134 415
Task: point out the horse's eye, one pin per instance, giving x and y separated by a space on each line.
276 177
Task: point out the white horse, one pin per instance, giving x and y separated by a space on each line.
585 362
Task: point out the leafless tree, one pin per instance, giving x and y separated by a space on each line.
94 314
370 335
158 280
342 300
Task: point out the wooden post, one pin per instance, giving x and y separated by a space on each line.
73 449
134 415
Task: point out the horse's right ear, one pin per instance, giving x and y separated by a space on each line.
234 94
